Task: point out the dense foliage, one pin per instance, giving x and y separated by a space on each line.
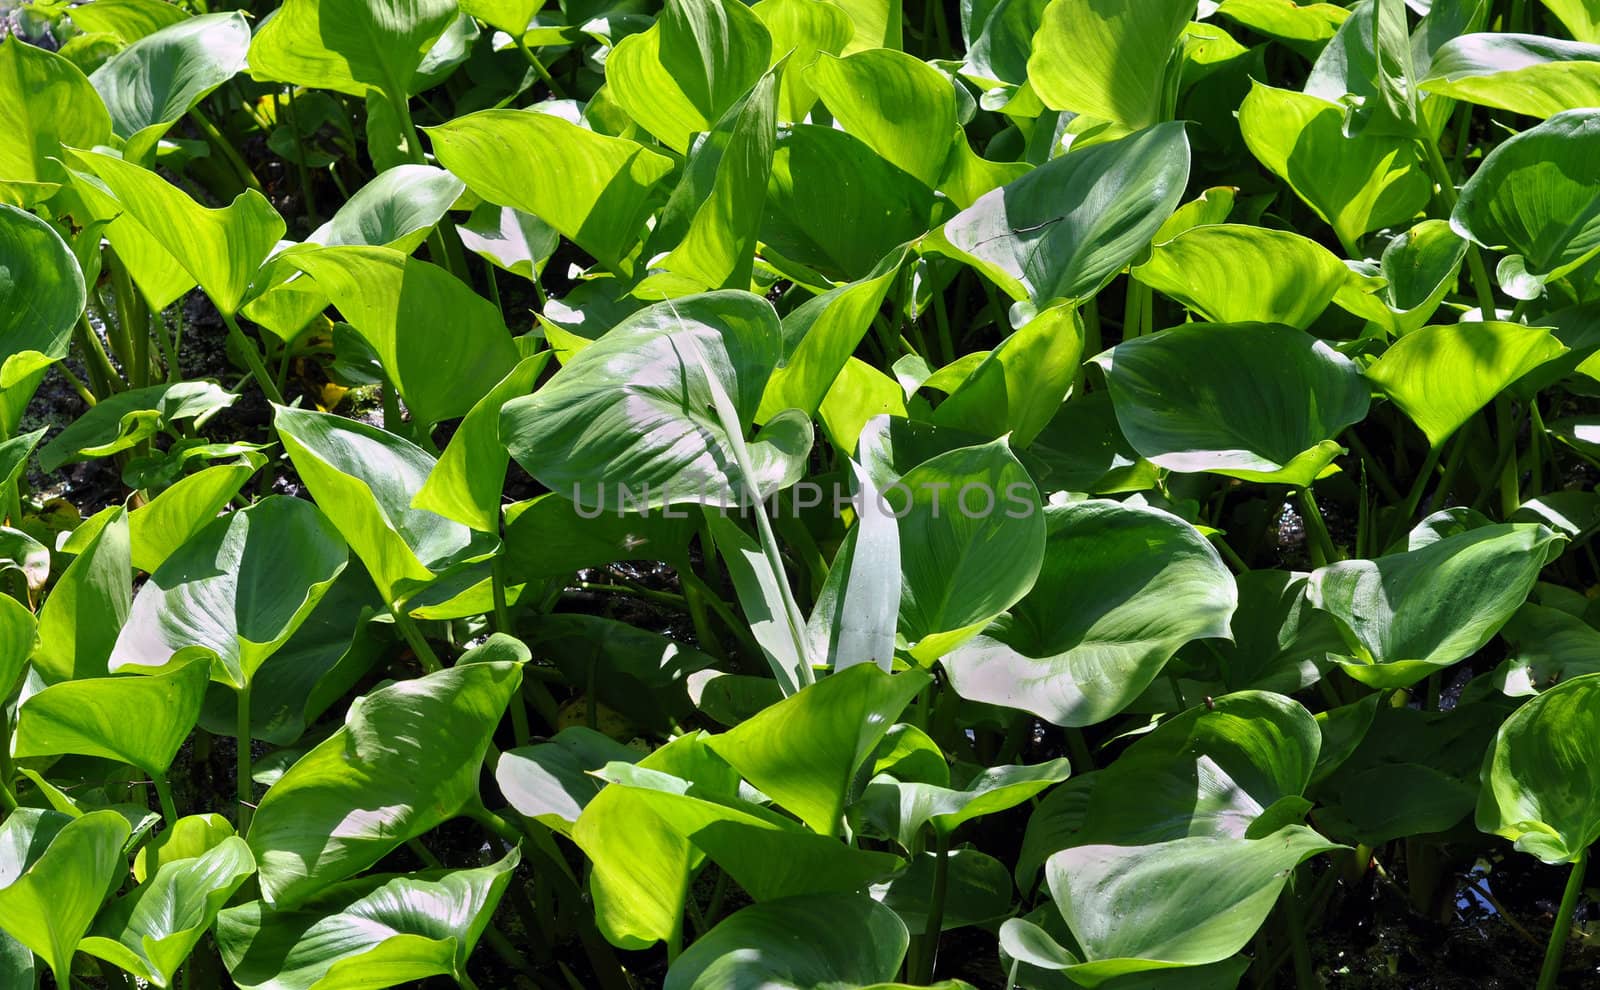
1173 425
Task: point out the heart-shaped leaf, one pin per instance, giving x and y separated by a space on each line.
1441 376
1537 195
1141 582
159 78
349 46
55 871
1539 776
1408 614
596 190
1252 401
151 931
46 104
237 590
1064 229
377 932
90 717
682 74
1235 273
895 103
1118 66
406 759
1523 73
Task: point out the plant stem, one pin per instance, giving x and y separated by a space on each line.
414 638
1321 542
242 735
928 951
1414 496
1551 970
223 145
1447 195
1510 475
169 809
252 359
538 68
1294 920
103 377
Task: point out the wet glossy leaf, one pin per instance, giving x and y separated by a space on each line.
151 931
1181 401
1142 583
596 190
378 932
1064 229
236 591
1411 613
157 79
1523 73
406 759
1539 776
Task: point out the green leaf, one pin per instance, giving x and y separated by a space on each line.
236 591
553 781
972 538
803 29
1063 230
1539 776
900 810
467 482
1408 614
862 943
639 674
80 619
187 838
596 190
804 751
1537 195
166 522
1214 770
1356 183
708 228
1578 17
120 421
349 46
894 102
396 209
397 304
220 249
364 479
1523 73
510 16
377 932
820 335
1548 646
159 78
1441 376
629 422
127 20
90 717
1119 55
406 759
856 614
17 631
1141 583
1235 273
1417 270
41 288
1020 385
46 104
1252 401
511 240
772 620
54 873
1305 25
1187 902
152 930
680 76
873 207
